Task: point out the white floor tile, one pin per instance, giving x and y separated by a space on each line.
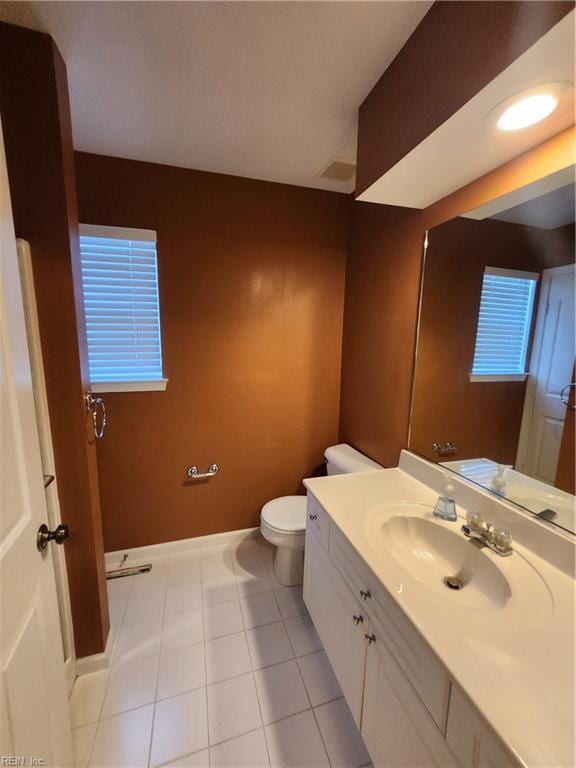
216 561
197 760
247 751
222 619
136 641
247 554
220 589
87 697
123 741
119 587
296 743
227 657
303 636
232 708
182 629
268 645
180 727
145 606
184 568
252 582
183 597
181 670
341 736
130 685
272 576
117 609
319 679
82 740
152 581
280 691
290 602
259 609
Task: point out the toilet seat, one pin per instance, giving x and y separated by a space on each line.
286 514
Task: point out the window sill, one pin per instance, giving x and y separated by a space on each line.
158 385
498 377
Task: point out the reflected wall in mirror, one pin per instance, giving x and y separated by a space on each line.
493 395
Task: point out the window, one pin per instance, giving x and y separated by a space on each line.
504 325
120 290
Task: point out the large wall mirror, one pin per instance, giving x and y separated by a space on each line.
493 395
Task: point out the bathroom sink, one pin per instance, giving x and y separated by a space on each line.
432 555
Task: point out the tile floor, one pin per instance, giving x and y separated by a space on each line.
215 664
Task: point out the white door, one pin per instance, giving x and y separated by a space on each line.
47 455
35 719
550 371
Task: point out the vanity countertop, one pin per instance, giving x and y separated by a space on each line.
514 658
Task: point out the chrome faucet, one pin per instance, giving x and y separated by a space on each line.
445 507
477 530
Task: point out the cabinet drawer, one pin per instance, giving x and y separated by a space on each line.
317 521
471 740
412 653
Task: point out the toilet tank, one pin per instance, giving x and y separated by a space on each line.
343 459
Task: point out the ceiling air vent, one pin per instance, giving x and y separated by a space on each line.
339 169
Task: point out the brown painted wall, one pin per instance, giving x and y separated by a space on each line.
251 279
456 50
382 294
37 134
480 418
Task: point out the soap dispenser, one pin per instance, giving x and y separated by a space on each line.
445 507
499 481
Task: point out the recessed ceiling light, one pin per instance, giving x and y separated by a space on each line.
527 111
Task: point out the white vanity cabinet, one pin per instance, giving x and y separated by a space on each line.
470 738
397 729
399 693
339 622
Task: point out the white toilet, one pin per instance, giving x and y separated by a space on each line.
283 520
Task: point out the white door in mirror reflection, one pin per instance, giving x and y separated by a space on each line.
551 368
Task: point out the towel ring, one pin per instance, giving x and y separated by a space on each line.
95 406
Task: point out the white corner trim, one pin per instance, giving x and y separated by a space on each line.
158 385
112 559
97 661
498 377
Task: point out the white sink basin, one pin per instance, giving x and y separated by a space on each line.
434 555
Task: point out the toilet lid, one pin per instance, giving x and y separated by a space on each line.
287 513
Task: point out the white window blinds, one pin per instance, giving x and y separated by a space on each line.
504 322
120 290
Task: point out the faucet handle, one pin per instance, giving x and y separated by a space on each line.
474 520
502 538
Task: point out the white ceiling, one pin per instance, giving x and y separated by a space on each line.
465 147
267 90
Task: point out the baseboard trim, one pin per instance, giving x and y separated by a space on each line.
97 661
113 559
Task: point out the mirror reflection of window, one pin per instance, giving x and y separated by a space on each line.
504 324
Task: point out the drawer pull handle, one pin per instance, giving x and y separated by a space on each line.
357 619
370 639
312 517
365 594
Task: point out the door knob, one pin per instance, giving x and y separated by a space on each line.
365 594
358 619
44 535
370 638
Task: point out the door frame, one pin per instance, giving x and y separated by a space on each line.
529 399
